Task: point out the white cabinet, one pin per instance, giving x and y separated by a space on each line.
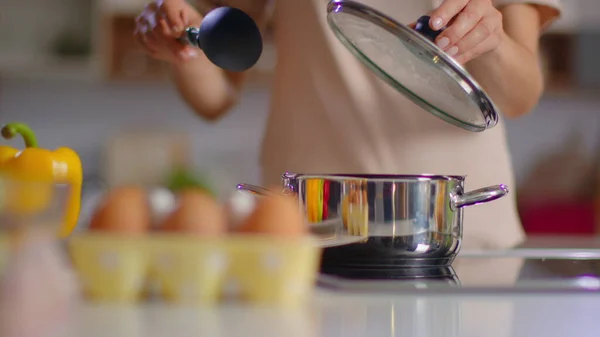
568 21
29 34
578 15
132 7
27 38
588 12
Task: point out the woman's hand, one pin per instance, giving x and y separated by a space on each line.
161 23
474 27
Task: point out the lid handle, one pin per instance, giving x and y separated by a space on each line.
422 26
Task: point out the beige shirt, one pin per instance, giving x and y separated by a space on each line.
329 114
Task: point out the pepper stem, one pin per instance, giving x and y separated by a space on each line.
11 130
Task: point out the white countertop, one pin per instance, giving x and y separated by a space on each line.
333 314
346 315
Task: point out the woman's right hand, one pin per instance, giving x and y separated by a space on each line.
161 23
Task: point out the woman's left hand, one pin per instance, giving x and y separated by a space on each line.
474 27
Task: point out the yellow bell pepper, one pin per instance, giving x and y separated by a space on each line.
36 170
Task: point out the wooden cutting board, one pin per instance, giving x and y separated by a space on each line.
145 157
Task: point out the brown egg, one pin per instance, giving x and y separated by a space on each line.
123 210
198 213
278 215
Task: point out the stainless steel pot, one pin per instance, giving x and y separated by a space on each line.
384 221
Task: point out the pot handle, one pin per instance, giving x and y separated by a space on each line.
477 197
254 190
259 191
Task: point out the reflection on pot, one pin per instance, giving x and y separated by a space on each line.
317 194
355 207
442 208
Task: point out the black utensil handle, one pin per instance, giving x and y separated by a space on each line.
422 26
190 37
229 38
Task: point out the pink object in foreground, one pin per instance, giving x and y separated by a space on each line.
38 290
563 217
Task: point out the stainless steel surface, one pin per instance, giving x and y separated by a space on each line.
536 253
482 274
398 220
561 242
413 65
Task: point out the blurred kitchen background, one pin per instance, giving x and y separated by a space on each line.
70 69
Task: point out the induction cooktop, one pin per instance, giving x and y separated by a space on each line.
472 274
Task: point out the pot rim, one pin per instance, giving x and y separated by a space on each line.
374 177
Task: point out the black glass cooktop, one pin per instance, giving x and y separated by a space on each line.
478 274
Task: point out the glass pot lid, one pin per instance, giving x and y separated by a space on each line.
408 60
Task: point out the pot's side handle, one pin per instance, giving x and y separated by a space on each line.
254 190
261 191
479 196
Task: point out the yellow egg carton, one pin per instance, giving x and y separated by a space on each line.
192 270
